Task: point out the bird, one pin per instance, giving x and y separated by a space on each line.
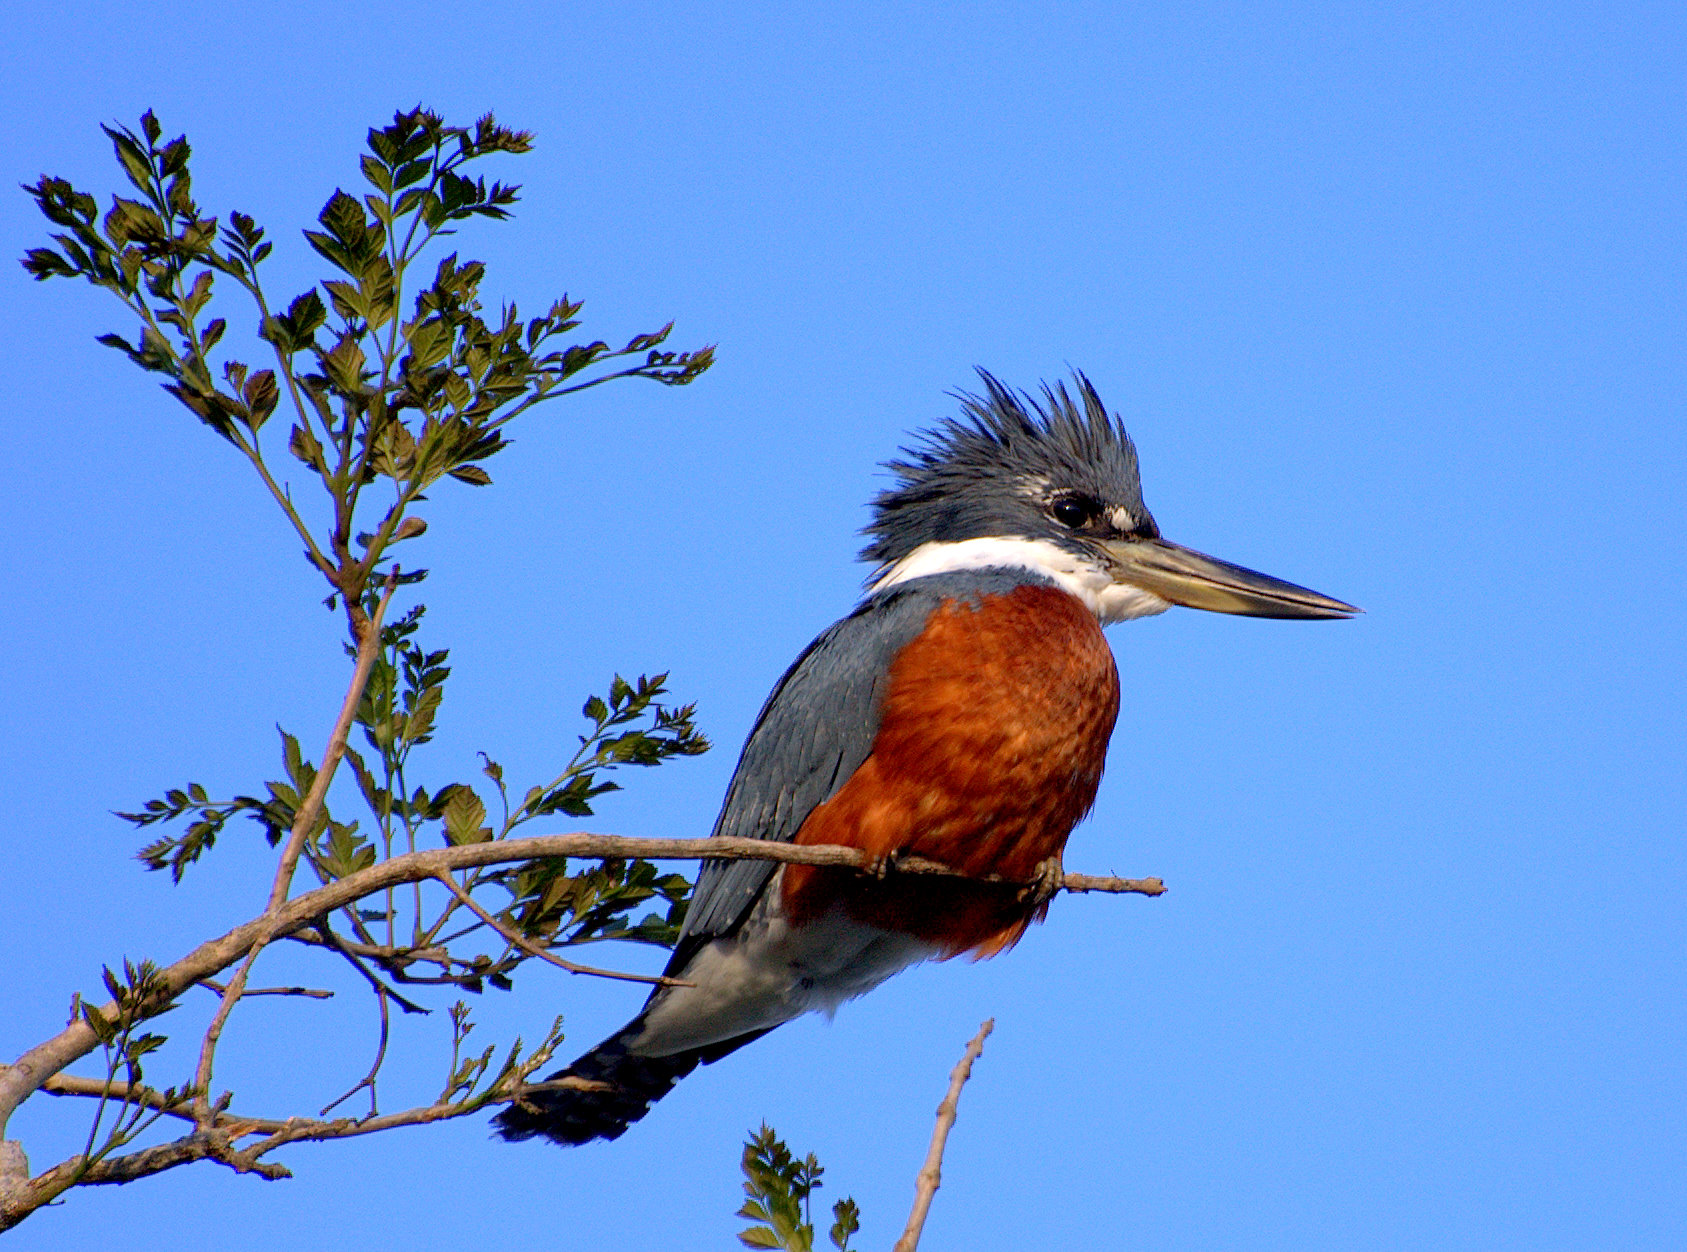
961 713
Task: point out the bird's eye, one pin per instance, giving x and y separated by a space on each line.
1073 511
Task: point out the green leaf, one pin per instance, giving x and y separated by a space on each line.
640 343
377 174
846 1216
293 330
261 395
349 301
343 853
343 365
305 446
464 814
420 720
301 771
136 163
104 1029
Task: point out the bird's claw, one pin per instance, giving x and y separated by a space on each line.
882 867
1050 878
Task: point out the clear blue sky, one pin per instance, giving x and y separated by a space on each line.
1392 301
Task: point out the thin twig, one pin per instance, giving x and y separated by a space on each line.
238 1125
334 942
1078 883
368 1080
149 1097
211 984
368 648
931 1173
517 940
208 1045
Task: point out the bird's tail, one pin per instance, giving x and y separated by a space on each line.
616 1088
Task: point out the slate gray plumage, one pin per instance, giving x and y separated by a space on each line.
993 470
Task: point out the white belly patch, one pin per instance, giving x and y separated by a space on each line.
769 973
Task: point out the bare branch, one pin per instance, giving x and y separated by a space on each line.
213 1033
148 1097
238 1125
368 648
368 1080
931 1173
311 993
218 1142
1079 883
201 1145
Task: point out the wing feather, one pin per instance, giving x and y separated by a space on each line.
814 731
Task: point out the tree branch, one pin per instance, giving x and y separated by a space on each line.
19 1080
931 1173
368 1080
1080 883
309 993
368 648
218 1142
213 1033
147 1097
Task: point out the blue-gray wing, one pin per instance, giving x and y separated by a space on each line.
812 734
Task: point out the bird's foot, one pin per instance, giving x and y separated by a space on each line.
1050 878
882 867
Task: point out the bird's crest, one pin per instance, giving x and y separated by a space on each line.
1023 448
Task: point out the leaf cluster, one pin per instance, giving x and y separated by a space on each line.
391 380
137 995
274 813
777 1187
381 382
551 904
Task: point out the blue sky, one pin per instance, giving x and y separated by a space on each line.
1391 300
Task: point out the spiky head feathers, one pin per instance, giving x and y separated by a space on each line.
1012 466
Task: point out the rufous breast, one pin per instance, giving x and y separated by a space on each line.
990 747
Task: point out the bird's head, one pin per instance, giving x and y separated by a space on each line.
1053 487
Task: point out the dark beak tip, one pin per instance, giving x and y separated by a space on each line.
1337 612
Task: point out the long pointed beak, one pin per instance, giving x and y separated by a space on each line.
1183 576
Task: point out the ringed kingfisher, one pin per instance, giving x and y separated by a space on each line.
961 713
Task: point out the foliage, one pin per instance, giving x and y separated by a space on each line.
374 394
123 1049
378 396
548 902
396 383
777 1186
